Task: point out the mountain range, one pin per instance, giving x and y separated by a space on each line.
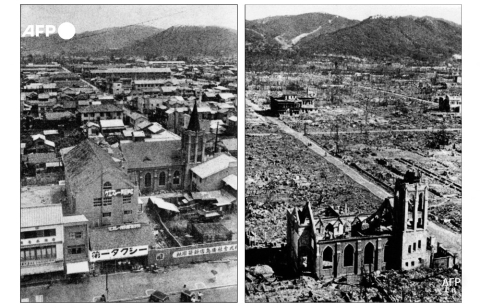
139 41
377 36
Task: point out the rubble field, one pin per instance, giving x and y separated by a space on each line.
385 157
281 173
420 285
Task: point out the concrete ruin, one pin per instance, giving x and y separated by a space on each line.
337 243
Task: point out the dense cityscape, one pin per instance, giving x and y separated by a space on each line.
128 174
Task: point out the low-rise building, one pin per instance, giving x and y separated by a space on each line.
51 243
209 175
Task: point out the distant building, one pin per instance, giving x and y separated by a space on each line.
100 112
285 104
133 73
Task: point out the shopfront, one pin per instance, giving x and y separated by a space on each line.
119 259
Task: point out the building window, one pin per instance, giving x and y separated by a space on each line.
148 180
75 235
414 246
107 214
97 201
38 253
107 186
328 258
161 179
128 212
348 256
420 260
369 254
420 202
76 250
126 199
419 244
406 264
176 177
409 248
413 263
107 201
37 233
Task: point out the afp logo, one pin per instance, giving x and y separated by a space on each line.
66 30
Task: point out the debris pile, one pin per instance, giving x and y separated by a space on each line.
281 172
420 285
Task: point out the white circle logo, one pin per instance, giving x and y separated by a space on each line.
66 31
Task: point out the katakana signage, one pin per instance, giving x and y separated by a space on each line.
118 192
204 251
118 253
124 227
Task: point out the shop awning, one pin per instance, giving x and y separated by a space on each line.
78 267
42 268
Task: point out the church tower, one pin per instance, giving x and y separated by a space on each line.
410 236
194 140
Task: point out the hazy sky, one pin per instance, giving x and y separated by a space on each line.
358 12
95 17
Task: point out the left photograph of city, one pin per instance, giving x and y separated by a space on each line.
128 120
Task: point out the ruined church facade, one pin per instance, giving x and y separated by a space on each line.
337 243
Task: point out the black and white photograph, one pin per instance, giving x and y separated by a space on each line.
128 163
353 153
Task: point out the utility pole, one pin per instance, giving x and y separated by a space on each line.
366 120
216 140
106 282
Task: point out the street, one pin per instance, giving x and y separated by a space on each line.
227 294
125 286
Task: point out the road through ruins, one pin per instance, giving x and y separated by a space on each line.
451 240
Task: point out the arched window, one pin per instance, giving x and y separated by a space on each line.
107 185
176 177
411 202
369 254
386 251
161 179
329 231
420 202
328 257
148 180
348 256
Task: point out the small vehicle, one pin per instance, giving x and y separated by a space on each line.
77 278
190 297
158 297
152 268
137 268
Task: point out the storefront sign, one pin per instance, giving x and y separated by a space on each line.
118 253
204 251
36 262
124 227
118 192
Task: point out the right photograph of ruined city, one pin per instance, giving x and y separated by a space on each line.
353 153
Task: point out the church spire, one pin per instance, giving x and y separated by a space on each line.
194 124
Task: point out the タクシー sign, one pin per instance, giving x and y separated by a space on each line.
118 253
